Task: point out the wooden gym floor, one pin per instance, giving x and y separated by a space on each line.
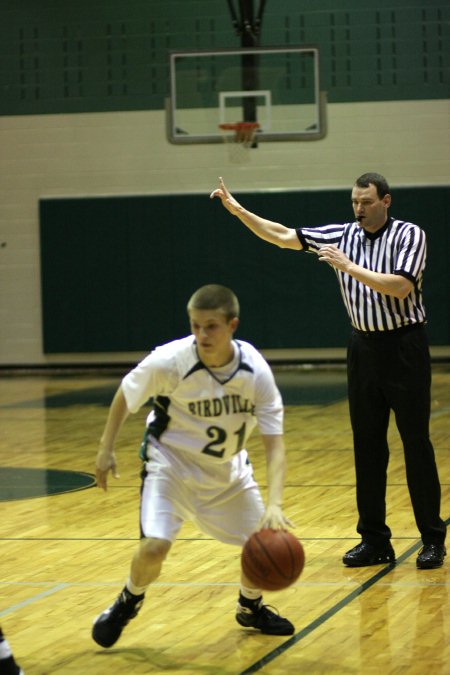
66 546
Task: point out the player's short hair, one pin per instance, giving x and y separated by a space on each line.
376 179
214 296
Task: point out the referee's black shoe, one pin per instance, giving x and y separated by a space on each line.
364 554
431 556
109 625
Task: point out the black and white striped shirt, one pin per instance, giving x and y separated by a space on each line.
398 247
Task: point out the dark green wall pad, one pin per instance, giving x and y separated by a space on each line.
84 56
117 271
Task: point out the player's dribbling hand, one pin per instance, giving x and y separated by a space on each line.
226 198
106 462
274 519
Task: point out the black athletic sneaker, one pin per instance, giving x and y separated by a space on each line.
259 616
109 625
9 667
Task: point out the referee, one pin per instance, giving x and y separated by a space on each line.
379 262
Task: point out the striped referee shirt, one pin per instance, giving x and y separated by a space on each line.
398 247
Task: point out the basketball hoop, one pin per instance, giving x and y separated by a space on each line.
239 137
244 132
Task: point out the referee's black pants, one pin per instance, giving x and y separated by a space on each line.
392 371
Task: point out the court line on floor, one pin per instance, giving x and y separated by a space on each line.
33 599
213 584
317 623
440 412
360 589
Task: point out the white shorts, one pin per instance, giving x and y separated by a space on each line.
223 500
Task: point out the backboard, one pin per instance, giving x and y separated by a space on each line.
277 87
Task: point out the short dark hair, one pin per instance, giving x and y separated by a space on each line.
214 296
376 179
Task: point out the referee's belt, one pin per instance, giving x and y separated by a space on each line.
388 333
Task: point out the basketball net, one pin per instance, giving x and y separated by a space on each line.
239 137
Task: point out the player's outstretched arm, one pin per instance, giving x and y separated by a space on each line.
106 457
276 469
274 233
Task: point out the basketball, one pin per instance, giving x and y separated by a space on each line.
272 559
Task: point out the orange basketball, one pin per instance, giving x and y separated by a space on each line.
272 559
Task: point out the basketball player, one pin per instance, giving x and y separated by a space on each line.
379 262
208 392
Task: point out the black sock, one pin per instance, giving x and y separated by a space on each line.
251 604
130 597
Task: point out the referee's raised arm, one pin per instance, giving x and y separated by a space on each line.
274 233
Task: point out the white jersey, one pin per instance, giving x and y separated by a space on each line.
209 413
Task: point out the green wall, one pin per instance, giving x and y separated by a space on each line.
117 271
103 55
